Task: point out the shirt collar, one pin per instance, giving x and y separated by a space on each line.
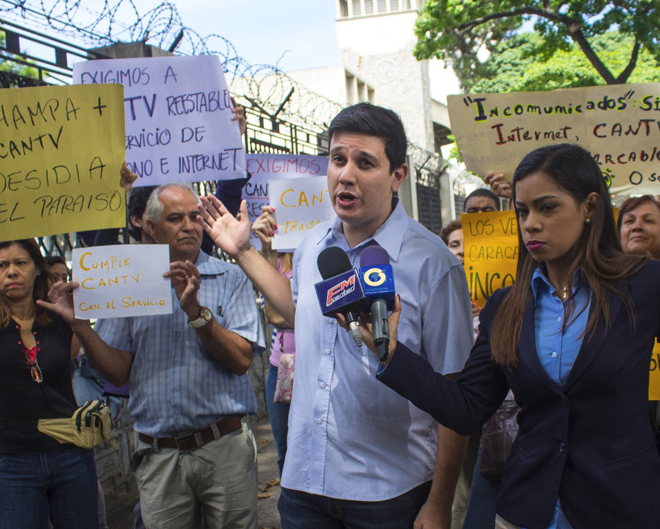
208 266
539 279
389 234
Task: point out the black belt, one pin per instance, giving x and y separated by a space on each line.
189 441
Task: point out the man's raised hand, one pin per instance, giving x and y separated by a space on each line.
227 232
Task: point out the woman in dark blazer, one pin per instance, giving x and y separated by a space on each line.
572 339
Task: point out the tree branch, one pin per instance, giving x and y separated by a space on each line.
574 29
623 76
576 34
543 13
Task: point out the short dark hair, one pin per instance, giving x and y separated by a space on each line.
137 205
482 192
55 259
633 203
372 120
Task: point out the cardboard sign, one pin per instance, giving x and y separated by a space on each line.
654 380
178 117
490 247
300 204
122 280
266 167
61 150
618 124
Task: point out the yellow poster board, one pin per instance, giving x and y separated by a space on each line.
491 252
61 150
654 380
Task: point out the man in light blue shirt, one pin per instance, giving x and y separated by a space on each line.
188 380
359 455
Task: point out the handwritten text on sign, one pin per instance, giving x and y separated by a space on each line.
300 204
61 150
266 167
491 252
123 280
178 117
618 124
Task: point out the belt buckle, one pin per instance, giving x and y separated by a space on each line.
197 436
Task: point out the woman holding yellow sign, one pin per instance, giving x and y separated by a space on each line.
573 339
41 478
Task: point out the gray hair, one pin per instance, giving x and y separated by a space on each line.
155 206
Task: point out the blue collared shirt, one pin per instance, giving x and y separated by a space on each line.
351 437
175 384
558 346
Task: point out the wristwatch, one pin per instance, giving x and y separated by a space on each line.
205 316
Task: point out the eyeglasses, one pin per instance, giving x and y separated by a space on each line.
35 370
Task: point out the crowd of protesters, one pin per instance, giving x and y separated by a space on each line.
361 442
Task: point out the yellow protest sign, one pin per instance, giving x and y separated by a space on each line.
654 380
61 150
617 124
491 252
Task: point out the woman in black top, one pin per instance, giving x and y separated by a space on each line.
40 479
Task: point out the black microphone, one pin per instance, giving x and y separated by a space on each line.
340 292
378 283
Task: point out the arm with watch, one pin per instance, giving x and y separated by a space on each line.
227 347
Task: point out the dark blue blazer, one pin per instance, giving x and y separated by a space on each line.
590 443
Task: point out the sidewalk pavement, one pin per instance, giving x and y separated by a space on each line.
268 475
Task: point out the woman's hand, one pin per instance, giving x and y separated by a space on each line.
61 301
230 233
238 114
264 228
498 184
127 177
366 329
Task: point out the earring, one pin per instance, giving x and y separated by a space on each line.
587 220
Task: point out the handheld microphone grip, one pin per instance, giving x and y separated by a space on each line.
378 282
341 291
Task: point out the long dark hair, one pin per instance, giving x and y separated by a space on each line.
40 290
597 253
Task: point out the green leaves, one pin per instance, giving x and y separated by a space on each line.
461 31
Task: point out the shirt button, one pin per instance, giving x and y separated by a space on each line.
559 318
322 384
562 447
554 355
331 320
319 421
327 351
177 334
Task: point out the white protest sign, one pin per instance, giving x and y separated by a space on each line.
122 280
300 204
618 124
178 117
266 167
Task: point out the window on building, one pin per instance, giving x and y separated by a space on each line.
357 9
368 7
406 4
382 6
343 8
394 5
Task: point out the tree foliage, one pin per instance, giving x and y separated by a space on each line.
460 31
515 65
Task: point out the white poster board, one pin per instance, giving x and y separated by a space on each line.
617 124
121 280
266 167
178 117
300 204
